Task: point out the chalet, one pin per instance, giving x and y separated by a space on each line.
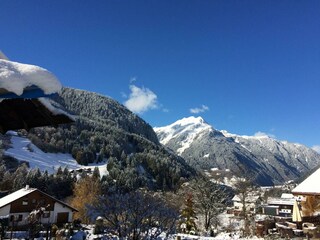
18 206
308 196
252 203
281 207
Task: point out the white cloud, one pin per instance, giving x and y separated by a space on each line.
263 134
316 148
203 108
141 100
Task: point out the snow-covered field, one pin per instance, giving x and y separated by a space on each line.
226 220
221 236
22 149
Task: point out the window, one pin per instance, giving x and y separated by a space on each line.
34 201
16 218
46 214
25 202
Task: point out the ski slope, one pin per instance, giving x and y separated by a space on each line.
23 149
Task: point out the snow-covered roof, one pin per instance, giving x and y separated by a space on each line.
21 89
24 192
281 201
16 77
249 198
285 199
287 195
15 195
309 186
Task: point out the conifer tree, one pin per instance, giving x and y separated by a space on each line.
96 173
20 174
188 214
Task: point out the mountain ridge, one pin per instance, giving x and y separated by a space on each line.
268 160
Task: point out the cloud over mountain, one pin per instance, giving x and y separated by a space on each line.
141 99
202 109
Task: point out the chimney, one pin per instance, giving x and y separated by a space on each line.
27 187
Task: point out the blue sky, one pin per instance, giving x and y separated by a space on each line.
244 66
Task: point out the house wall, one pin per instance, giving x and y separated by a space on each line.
285 210
32 201
270 210
5 210
20 219
250 207
20 209
59 208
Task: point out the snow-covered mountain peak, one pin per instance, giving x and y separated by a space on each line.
190 120
270 160
190 127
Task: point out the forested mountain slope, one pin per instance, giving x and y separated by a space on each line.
106 130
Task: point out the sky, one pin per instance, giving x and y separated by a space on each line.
248 67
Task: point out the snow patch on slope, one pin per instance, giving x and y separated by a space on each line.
22 149
227 134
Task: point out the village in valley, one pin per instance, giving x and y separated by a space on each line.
159 120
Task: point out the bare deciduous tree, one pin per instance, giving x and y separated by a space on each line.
245 190
211 199
135 215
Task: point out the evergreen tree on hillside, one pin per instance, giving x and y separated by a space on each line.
105 130
188 215
20 177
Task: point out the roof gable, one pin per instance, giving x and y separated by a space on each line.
24 192
309 186
15 196
248 199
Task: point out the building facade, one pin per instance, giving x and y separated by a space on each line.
30 204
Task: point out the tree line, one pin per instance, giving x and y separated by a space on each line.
143 213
